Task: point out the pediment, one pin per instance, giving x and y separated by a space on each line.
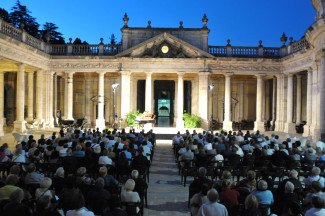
164 46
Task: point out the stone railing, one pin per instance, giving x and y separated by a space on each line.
110 50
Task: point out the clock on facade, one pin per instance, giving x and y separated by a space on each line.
164 49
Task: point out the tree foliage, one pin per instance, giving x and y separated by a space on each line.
4 15
192 121
51 29
21 16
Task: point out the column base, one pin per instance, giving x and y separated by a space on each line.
29 119
290 127
307 131
20 126
100 123
227 125
259 126
180 124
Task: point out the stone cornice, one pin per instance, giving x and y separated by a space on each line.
23 53
301 63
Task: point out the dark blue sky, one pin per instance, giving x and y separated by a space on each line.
244 22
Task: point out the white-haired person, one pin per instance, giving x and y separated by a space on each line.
213 207
264 196
287 198
59 182
314 176
140 184
129 195
44 189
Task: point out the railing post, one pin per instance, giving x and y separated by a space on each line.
260 49
1 20
228 48
282 51
101 47
69 47
23 35
289 47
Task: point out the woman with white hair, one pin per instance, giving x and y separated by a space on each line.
314 176
18 155
59 181
264 196
44 190
128 195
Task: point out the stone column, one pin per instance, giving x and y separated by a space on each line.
55 97
125 93
298 118
289 126
30 101
100 121
241 101
309 103
227 123
69 93
148 92
87 99
180 101
259 124
203 98
320 134
19 124
51 100
65 105
2 87
39 96
278 122
274 102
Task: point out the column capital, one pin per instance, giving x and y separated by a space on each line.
259 75
30 72
298 76
101 73
148 74
290 75
228 74
21 64
180 74
310 70
125 73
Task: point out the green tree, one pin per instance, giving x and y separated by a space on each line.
21 15
113 39
51 29
4 15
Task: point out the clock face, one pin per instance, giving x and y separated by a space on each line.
164 49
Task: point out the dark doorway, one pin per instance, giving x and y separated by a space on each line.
141 95
164 102
188 97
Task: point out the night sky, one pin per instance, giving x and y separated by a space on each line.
243 22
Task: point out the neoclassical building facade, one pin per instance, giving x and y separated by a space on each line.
165 71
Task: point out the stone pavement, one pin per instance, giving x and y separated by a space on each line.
166 195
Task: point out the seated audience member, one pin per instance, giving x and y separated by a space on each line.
293 178
82 178
318 207
44 207
98 197
140 184
140 162
44 190
218 158
104 159
109 181
213 207
264 196
18 155
196 185
226 175
59 182
251 206
229 197
128 195
15 207
78 206
249 182
316 188
70 163
177 138
6 190
199 199
287 198
78 152
33 177
3 156
314 176
115 207
187 155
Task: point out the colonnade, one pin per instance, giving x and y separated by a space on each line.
282 103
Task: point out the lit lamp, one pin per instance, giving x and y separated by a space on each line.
114 86
210 87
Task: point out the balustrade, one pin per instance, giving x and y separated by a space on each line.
218 50
111 49
271 52
33 42
59 49
244 51
299 45
10 30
